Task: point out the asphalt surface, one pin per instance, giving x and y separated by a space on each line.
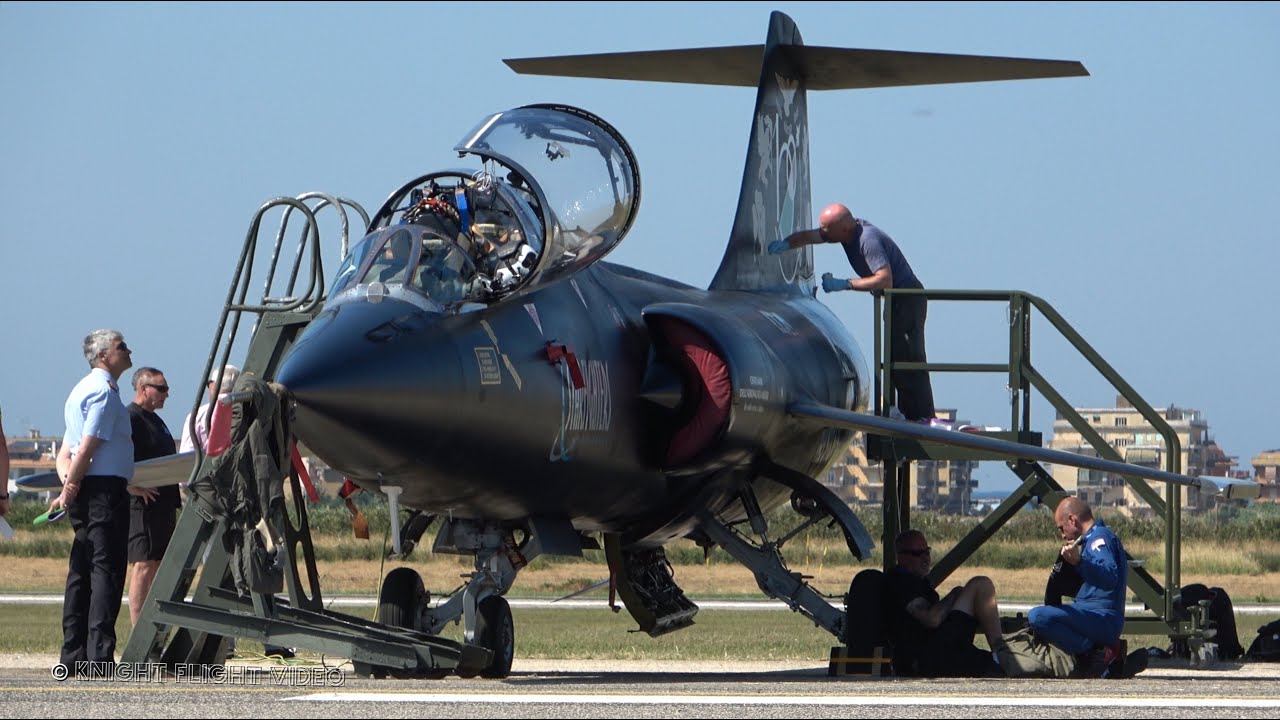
586 689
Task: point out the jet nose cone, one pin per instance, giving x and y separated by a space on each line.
363 376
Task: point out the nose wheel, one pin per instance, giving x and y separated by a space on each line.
401 603
402 599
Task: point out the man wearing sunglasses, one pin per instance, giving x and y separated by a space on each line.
95 465
932 636
151 522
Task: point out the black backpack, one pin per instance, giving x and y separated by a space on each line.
1222 615
1266 647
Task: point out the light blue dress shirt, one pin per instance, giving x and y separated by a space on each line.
94 408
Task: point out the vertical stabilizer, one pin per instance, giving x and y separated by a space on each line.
774 200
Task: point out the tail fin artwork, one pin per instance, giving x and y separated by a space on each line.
775 198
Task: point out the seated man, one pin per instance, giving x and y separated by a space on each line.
1090 627
934 637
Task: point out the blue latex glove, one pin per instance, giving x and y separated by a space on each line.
777 247
834 284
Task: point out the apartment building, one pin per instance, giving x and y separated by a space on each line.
1137 442
944 486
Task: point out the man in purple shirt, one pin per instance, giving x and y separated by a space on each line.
880 265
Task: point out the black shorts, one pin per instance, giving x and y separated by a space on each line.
950 651
151 524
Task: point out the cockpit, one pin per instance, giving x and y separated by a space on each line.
557 190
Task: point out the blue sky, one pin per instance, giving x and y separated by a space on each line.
138 140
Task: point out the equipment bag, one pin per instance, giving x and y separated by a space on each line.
1024 655
1266 647
1222 615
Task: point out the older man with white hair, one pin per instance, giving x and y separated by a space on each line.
95 465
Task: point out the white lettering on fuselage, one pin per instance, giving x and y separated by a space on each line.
588 409
591 408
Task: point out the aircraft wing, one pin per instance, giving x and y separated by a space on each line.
834 417
157 472
825 68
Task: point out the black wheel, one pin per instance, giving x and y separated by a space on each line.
400 604
496 632
402 599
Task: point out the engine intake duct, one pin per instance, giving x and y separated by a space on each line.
647 585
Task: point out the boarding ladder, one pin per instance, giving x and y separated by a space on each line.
174 630
897 454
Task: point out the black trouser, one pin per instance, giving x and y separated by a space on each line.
95 576
906 344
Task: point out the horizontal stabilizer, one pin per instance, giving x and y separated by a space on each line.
834 417
824 68
157 472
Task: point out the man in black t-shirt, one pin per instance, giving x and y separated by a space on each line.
151 523
932 636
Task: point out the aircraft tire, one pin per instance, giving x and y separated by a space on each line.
402 599
400 604
496 632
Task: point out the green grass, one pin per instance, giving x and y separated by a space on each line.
541 633
330 521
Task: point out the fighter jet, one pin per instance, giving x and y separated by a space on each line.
479 363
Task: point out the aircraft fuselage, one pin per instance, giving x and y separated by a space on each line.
480 414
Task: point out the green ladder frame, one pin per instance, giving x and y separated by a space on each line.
1037 485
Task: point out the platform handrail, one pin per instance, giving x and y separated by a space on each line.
1023 376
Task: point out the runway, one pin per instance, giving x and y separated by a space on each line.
586 688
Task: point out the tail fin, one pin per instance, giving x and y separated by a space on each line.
775 200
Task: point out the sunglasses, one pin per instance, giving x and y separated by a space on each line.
917 553
161 388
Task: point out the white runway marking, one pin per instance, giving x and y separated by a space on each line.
837 700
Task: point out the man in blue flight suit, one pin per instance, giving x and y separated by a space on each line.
1091 625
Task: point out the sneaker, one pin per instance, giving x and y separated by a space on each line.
1135 662
284 653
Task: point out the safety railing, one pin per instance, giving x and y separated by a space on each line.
300 301
1023 377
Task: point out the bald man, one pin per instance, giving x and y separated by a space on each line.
880 265
1093 623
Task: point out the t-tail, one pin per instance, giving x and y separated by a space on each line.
775 199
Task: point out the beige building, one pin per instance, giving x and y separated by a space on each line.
1137 442
32 454
946 486
1266 472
